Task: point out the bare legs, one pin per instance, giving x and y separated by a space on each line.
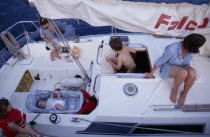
52 55
189 81
180 75
55 52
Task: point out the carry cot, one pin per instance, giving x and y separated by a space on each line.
73 101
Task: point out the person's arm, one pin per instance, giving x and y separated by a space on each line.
50 27
167 54
58 95
119 63
51 95
49 41
126 44
148 75
59 107
13 126
132 50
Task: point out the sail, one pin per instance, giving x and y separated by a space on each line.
178 19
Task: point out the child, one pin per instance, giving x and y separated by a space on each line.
124 57
46 32
53 103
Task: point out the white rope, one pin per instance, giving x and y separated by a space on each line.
12 45
28 39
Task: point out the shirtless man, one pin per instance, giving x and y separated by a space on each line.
124 56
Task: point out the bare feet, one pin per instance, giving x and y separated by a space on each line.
52 59
173 94
59 57
182 98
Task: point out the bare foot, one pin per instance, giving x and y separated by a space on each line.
59 57
182 99
52 59
173 94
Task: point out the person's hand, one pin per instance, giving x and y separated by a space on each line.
32 134
50 27
127 44
148 75
55 44
56 92
108 59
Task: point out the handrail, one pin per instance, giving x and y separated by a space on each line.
121 75
99 76
112 31
32 22
99 47
17 23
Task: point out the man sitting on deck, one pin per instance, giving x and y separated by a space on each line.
12 121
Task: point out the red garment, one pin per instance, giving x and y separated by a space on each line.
88 105
14 116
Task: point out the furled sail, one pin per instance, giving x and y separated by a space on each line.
156 18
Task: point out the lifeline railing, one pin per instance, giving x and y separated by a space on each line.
94 31
19 36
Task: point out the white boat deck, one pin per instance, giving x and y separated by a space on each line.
114 104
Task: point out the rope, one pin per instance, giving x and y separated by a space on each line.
28 39
12 45
32 126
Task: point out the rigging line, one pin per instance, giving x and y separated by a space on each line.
28 38
32 126
154 129
72 54
56 29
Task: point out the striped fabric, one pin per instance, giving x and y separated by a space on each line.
46 33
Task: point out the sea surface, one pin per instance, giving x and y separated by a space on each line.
12 11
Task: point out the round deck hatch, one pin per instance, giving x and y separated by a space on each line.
130 89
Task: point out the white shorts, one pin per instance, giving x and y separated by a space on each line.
51 46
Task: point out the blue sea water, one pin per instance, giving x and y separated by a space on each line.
12 11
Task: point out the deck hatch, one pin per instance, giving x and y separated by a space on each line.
130 89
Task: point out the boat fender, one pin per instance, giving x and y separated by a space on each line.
55 119
72 82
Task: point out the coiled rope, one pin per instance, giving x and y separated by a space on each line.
12 45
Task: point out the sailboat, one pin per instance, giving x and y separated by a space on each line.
128 104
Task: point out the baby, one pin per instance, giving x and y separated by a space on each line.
53 103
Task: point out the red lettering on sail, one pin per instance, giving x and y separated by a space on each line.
165 20
174 23
205 23
162 21
191 23
182 22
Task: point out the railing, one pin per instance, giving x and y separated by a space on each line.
78 31
5 57
120 75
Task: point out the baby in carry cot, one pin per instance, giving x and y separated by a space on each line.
53 103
